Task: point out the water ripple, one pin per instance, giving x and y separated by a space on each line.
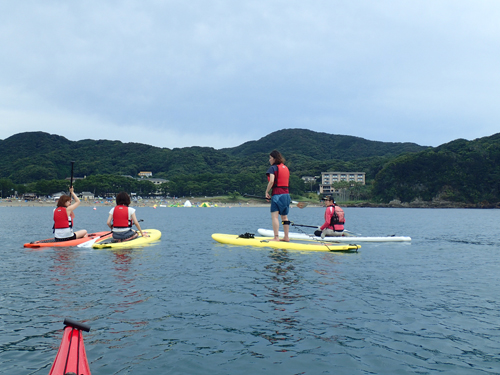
190 306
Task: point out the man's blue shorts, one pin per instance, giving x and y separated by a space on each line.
281 203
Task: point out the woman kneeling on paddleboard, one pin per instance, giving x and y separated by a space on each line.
64 218
121 218
334 220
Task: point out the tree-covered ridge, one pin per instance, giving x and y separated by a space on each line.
322 146
458 171
32 156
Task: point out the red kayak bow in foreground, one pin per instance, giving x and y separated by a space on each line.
71 357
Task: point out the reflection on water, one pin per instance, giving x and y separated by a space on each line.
283 296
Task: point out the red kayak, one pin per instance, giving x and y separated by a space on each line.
50 242
71 357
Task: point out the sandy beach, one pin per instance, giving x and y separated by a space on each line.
142 203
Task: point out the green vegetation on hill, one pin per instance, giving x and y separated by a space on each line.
29 157
459 171
322 146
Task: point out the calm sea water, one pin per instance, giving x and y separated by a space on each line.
188 305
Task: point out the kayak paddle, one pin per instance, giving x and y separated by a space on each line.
89 243
347 232
71 180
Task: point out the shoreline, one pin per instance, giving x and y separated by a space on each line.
170 203
149 203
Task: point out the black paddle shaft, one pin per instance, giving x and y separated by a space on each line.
71 180
307 226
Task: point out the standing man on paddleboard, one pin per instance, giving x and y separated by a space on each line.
334 220
64 218
278 176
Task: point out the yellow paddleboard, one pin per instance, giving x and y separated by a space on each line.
154 235
233 239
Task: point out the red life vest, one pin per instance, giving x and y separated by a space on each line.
338 218
61 219
281 177
120 217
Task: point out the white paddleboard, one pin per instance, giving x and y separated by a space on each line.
350 239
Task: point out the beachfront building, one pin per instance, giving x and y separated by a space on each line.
310 180
158 182
87 196
145 174
58 195
328 179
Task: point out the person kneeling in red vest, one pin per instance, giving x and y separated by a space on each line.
334 220
121 218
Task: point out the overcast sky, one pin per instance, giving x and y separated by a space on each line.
220 73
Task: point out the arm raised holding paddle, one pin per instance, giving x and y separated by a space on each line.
64 218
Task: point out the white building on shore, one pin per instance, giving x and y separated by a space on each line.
330 178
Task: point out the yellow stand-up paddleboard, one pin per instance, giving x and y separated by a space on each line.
153 235
233 239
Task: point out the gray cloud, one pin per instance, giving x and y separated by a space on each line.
219 73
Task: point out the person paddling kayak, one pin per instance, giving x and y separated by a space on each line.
64 218
121 218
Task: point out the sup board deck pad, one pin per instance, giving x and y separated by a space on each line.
109 243
340 239
246 240
50 242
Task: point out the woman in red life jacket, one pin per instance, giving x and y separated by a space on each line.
278 176
334 220
121 218
64 218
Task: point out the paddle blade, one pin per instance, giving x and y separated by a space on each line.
89 243
301 204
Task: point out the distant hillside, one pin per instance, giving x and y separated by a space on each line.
458 171
33 156
322 146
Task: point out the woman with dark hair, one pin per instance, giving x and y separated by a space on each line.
278 176
121 217
334 220
64 218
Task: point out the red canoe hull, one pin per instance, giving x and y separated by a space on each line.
71 356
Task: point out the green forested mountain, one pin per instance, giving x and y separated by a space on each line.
322 146
458 171
32 156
